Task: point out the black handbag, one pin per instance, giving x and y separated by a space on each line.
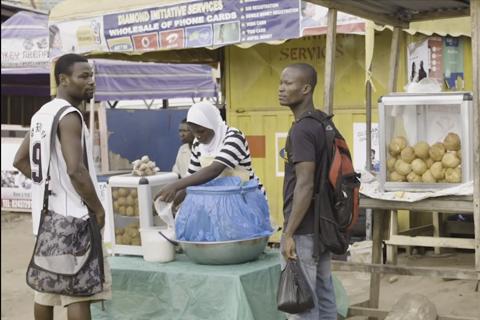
294 294
68 255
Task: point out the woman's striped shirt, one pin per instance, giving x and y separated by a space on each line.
233 153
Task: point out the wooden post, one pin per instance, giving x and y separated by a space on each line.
330 62
368 119
392 250
102 127
394 53
378 235
475 18
437 221
92 123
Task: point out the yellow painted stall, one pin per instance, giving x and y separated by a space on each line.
252 76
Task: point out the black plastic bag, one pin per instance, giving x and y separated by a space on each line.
294 294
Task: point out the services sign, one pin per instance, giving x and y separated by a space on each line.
201 24
192 24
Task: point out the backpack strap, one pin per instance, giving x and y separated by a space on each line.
321 174
330 133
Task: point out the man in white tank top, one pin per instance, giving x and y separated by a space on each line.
73 185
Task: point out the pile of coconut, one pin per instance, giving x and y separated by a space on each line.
440 162
144 167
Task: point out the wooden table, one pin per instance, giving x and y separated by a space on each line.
381 214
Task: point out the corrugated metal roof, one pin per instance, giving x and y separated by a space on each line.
399 13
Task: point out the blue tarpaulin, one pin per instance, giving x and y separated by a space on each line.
125 80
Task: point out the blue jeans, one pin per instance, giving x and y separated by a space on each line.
319 277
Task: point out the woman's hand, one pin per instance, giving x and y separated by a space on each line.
167 193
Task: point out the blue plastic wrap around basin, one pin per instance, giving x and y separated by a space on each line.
224 252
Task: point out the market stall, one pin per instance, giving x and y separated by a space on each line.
25 66
130 134
25 87
137 29
118 80
126 27
259 41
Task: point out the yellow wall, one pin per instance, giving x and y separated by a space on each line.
253 74
252 77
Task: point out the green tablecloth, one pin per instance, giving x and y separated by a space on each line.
184 290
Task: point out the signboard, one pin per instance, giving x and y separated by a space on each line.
25 41
314 19
360 146
81 35
437 58
202 24
16 194
193 24
22 53
453 63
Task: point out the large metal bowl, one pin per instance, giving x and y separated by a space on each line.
224 252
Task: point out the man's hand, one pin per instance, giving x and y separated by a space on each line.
167 193
288 250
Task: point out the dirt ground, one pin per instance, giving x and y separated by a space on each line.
451 297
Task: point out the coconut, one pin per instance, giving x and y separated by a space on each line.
450 160
130 211
437 170
413 177
391 164
419 166
421 149
396 145
428 177
453 175
452 142
436 151
403 168
395 176
407 154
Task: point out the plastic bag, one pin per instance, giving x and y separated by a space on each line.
223 209
164 211
294 294
426 85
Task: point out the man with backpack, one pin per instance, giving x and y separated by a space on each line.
306 154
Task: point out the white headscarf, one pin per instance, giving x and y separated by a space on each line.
207 115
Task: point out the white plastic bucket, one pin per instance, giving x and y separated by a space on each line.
155 247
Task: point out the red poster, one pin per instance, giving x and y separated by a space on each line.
145 41
172 39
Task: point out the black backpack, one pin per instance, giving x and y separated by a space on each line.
337 190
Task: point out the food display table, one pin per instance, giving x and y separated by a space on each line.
184 290
381 214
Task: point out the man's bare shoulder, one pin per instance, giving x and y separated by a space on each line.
71 121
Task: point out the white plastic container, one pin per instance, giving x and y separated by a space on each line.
139 212
155 247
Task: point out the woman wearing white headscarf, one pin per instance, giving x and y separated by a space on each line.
218 150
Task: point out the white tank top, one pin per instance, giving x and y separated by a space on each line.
63 199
